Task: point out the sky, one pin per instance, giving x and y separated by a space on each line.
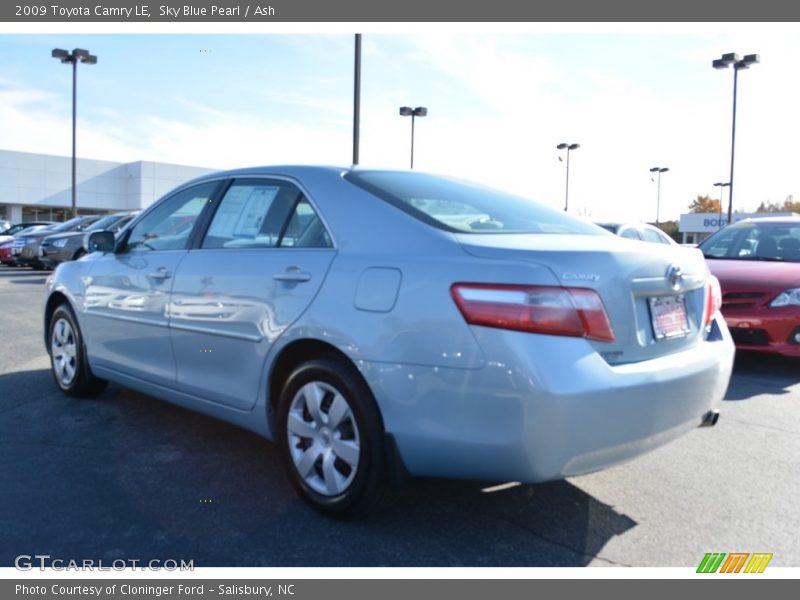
499 99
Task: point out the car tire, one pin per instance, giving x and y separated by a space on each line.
79 253
68 356
331 438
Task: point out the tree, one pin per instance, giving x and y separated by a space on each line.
768 207
789 205
671 229
704 204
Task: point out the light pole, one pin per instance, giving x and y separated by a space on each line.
356 96
567 147
721 185
725 61
73 58
658 170
407 111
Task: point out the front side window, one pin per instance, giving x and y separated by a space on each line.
259 213
169 225
465 207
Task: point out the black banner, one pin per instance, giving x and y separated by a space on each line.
365 11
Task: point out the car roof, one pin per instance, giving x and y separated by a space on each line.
784 220
285 170
623 224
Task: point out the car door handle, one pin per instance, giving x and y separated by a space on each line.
161 273
292 274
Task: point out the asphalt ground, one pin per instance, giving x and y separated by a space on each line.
125 476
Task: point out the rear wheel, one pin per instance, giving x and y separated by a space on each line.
67 357
331 438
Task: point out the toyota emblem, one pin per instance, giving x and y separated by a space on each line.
675 277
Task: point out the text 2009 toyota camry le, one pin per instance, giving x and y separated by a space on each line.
378 322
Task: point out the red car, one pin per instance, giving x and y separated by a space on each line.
757 262
5 254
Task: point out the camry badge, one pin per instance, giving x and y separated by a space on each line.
675 277
580 277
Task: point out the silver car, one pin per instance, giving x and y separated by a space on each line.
638 231
380 323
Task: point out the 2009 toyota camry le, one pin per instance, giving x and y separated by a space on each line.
380 323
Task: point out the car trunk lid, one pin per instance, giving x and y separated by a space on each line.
644 287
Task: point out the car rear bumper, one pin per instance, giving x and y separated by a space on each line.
545 411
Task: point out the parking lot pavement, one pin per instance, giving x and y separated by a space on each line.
127 476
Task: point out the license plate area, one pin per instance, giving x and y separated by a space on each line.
668 315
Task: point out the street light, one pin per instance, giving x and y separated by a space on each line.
725 61
721 185
658 170
73 58
567 147
356 96
407 111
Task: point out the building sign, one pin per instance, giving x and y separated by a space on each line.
711 222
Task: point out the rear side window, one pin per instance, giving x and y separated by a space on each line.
465 207
630 234
305 229
260 213
653 236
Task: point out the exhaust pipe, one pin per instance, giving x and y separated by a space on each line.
709 419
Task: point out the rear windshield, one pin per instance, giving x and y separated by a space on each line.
464 207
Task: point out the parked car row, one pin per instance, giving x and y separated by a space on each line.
7 239
60 247
44 244
376 324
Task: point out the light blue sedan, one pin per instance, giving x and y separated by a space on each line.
383 323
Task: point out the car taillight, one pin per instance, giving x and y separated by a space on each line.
576 312
713 300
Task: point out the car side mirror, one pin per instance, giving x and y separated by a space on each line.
99 241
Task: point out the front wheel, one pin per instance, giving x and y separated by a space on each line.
331 438
67 357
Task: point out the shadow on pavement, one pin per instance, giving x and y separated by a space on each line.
757 374
127 476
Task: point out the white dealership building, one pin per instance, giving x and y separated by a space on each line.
695 227
39 186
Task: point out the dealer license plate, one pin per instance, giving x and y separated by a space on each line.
668 314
